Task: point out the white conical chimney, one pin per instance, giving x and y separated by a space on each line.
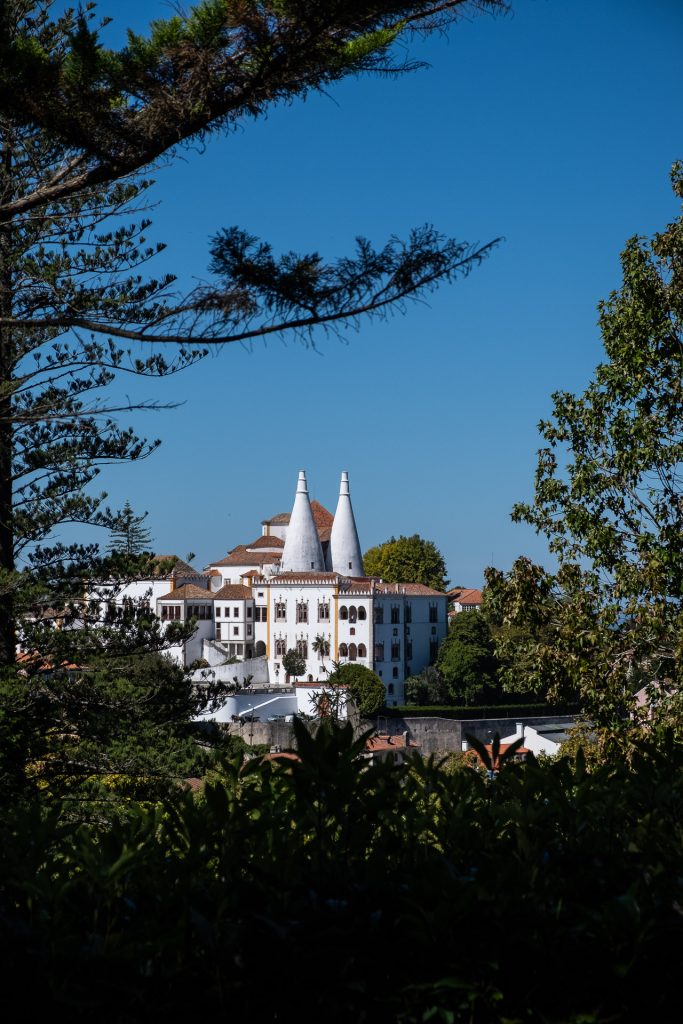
344 544
302 551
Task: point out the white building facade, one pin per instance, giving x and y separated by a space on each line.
300 586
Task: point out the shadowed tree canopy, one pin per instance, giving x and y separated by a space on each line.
79 123
128 533
609 498
407 560
466 660
365 687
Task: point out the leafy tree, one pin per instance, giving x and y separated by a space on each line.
407 560
365 688
122 729
78 123
128 534
293 663
329 848
466 660
609 497
428 687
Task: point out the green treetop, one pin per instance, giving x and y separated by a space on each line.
407 560
128 535
609 498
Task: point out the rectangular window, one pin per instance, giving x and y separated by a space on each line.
433 649
396 650
218 613
235 630
433 612
249 612
433 630
249 628
409 649
280 611
378 615
409 613
379 652
323 612
394 673
218 631
395 613
235 612
171 612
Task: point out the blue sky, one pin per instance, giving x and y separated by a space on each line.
554 127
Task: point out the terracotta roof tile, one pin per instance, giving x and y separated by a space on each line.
178 568
188 592
281 519
321 517
233 592
266 542
307 577
465 595
360 586
241 556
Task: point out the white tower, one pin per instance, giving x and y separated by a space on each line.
344 544
302 551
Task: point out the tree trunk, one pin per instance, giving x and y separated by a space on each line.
7 618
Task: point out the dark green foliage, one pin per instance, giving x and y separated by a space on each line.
609 498
122 728
549 895
128 535
466 660
293 663
407 560
477 710
427 688
365 687
78 123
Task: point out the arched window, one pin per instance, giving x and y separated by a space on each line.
343 651
362 614
302 611
353 614
343 612
390 688
353 652
310 678
362 651
260 649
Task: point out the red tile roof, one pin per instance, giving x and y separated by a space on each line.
466 595
266 542
322 518
177 567
360 586
281 519
233 592
385 742
306 577
188 592
241 556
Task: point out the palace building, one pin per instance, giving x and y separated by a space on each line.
300 586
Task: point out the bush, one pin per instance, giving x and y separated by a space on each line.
499 892
365 688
